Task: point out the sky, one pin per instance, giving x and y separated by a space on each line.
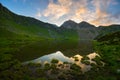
96 12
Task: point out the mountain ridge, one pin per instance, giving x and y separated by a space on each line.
5 9
29 26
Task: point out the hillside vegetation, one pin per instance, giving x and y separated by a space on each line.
21 36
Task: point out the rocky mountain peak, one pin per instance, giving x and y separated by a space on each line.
84 24
70 21
69 24
73 25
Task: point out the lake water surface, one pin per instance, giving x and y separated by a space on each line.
68 48
62 58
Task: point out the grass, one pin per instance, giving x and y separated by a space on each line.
24 38
30 47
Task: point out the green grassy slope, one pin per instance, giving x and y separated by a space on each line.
18 32
112 38
29 26
108 46
23 25
104 30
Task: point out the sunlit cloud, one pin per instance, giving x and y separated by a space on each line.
101 13
93 11
56 11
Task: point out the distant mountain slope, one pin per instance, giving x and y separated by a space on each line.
84 29
25 25
104 30
88 31
17 33
112 38
69 25
30 27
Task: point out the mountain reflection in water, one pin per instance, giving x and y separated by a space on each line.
62 58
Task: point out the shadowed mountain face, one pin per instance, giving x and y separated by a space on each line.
84 29
69 25
73 25
30 27
25 38
112 38
87 31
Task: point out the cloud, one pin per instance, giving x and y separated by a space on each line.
57 10
69 8
101 13
38 15
82 12
93 11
